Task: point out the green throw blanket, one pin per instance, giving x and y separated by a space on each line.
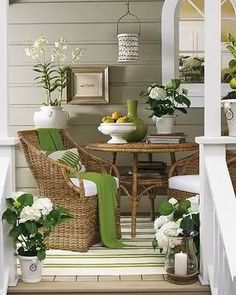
50 140
106 187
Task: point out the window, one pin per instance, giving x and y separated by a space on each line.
191 38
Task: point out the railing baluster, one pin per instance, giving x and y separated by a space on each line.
220 270
215 250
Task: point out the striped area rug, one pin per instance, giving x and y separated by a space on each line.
140 259
137 260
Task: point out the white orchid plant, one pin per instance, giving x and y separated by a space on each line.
165 100
32 219
177 219
51 68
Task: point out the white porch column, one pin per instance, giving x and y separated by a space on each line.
170 39
212 126
7 151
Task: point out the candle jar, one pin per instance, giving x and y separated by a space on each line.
181 261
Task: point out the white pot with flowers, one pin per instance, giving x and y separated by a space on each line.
164 101
31 220
176 234
52 75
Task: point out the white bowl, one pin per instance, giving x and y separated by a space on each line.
116 131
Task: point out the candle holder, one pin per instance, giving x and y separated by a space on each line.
181 261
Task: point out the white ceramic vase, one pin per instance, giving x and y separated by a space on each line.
31 269
230 115
51 117
164 124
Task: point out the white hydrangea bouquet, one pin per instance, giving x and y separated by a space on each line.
51 68
177 219
32 219
165 100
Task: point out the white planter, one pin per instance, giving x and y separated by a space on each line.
230 114
51 117
164 124
116 131
31 269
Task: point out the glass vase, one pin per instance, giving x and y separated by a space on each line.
141 127
181 260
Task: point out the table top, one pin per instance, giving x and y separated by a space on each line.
142 147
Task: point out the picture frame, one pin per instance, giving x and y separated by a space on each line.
88 84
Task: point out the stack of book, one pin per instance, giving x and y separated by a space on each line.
166 138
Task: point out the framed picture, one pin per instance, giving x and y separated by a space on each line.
88 84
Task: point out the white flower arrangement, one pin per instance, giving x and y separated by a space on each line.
178 219
32 219
165 100
50 68
41 207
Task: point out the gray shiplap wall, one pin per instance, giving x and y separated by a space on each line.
90 24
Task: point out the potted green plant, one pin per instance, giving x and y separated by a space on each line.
229 100
164 101
31 220
52 73
177 235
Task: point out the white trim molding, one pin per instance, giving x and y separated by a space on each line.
4 68
8 273
170 40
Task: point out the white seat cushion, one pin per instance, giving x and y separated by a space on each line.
186 183
90 188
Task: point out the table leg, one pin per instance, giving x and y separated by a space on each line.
134 201
114 156
172 157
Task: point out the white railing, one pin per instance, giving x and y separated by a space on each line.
218 218
7 261
4 268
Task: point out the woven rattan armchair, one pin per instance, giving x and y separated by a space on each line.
190 166
53 181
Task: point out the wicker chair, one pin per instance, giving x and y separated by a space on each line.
190 166
53 181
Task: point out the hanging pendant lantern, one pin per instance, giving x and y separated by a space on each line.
128 42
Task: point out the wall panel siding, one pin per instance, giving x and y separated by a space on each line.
80 33
89 24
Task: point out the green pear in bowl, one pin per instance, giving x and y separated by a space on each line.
122 120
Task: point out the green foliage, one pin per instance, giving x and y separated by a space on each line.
175 100
154 243
189 222
166 208
231 47
32 233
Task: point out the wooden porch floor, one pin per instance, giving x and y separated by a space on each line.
89 285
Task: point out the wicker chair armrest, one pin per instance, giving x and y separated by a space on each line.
176 168
66 170
180 166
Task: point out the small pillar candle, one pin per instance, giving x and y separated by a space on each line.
181 264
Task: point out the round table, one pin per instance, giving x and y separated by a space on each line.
135 149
